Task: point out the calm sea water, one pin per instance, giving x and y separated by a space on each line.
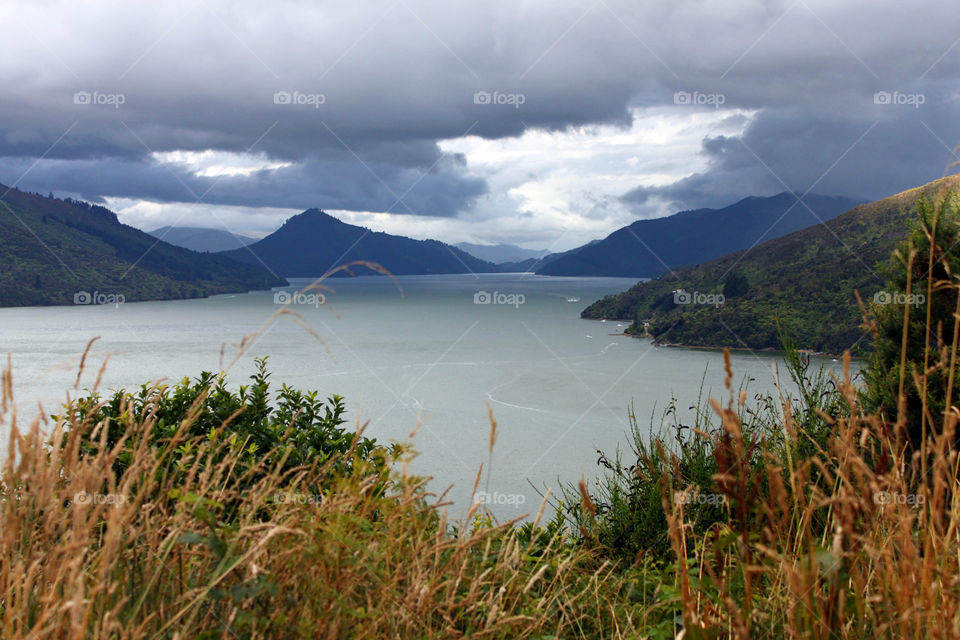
436 354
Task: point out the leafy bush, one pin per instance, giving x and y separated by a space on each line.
261 435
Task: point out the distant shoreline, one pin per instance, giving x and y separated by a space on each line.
806 352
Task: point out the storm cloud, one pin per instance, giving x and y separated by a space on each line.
354 106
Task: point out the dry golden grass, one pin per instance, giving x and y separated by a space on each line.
875 555
859 540
85 554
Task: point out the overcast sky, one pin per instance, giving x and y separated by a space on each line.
547 124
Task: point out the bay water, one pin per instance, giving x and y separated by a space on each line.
434 355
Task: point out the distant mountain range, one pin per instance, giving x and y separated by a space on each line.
648 248
537 265
202 239
54 251
313 242
501 253
803 283
51 249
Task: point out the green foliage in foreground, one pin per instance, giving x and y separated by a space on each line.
671 463
929 311
298 428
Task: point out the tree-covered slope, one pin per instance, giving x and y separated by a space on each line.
53 249
803 283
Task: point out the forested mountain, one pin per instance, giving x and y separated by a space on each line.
52 250
803 282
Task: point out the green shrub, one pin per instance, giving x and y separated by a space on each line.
195 425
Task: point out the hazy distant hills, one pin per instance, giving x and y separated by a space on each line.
501 253
201 239
313 242
536 265
803 282
51 250
647 248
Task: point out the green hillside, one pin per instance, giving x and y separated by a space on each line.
803 282
53 249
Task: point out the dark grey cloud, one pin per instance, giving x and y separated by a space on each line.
397 78
837 154
335 182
